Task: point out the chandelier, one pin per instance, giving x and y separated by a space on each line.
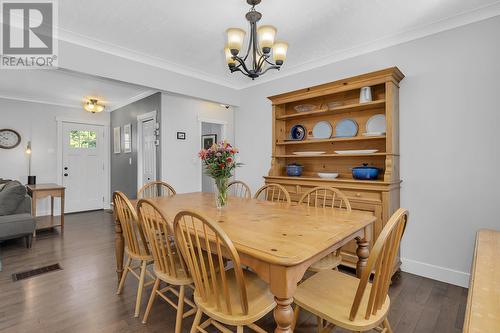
260 46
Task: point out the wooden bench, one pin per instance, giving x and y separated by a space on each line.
483 303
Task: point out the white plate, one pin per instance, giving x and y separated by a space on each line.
322 130
376 123
374 134
363 151
308 153
328 175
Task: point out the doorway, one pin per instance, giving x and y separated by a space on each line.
83 166
146 148
209 131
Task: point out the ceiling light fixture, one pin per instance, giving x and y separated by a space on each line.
92 105
261 43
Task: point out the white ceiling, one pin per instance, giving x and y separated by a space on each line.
69 89
188 35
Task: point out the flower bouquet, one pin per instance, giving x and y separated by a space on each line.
219 161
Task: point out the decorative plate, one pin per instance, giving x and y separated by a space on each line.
374 134
297 132
305 107
308 153
376 123
363 151
328 175
346 128
322 130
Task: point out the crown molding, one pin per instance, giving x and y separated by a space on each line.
123 52
133 99
39 101
462 19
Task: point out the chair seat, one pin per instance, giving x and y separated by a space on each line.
180 278
260 301
134 256
330 294
329 262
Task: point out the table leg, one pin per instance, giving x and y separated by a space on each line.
119 248
33 209
362 252
62 210
283 315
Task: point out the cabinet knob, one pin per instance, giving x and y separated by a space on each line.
358 194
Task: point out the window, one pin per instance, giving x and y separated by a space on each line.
82 139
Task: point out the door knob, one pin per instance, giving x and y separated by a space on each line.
65 168
65 175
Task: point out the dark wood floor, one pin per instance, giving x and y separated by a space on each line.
81 297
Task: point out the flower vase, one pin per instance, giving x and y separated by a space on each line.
220 192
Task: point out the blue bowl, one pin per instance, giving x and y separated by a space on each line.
365 172
294 170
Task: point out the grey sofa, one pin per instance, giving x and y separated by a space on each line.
15 212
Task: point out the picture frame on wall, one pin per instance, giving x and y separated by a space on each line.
207 140
127 138
116 140
181 135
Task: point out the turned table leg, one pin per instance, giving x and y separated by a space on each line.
283 315
362 252
119 248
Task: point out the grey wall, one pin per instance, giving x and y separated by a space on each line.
124 173
449 120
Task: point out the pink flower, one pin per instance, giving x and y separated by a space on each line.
229 159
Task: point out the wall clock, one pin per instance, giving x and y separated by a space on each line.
9 138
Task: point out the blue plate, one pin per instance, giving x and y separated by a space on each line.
346 128
298 132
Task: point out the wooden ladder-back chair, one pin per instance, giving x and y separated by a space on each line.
233 297
328 198
169 266
239 189
351 303
274 193
155 189
136 246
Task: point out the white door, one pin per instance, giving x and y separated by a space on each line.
148 150
83 166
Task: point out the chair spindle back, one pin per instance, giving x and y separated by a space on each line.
239 189
325 197
166 255
381 260
196 234
155 189
274 193
134 237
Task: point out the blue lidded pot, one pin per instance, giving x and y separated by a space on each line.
365 172
294 170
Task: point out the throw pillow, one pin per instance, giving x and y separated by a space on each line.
11 197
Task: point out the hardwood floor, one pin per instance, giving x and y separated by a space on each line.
81 297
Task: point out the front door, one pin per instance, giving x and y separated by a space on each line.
148 150
83 166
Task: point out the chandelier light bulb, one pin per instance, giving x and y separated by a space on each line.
235 37
266 35
279 52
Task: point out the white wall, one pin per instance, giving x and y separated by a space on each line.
449 133
181 166
36 122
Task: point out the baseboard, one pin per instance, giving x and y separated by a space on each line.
435 272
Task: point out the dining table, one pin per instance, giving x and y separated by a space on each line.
276 240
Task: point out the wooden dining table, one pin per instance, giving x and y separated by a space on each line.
278 242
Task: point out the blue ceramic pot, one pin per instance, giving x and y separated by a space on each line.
365 172
294 170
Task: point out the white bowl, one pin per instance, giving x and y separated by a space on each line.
328 175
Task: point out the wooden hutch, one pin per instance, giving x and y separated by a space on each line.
379 196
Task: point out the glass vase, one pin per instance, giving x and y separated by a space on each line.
220 192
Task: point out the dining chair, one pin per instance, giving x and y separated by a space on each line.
329 198
155 189
228 296
136 246
356 304
239 189
169 266
274 193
